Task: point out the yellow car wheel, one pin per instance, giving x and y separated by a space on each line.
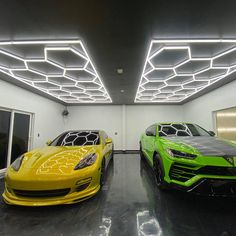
103 173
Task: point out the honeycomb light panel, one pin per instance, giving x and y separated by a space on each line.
175 70
60 68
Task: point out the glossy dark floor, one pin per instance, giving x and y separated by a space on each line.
129 204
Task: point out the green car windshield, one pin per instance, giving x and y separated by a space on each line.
181 130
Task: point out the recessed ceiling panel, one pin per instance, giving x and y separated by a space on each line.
62 69
175 70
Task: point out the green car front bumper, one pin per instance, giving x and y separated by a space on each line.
201 176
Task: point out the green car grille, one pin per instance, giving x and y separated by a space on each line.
183 173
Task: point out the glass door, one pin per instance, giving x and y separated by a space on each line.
15 130
20 136
5 120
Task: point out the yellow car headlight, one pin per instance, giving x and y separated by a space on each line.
17 163
86 161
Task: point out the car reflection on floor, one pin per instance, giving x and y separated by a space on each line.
86 218
128 204
147 224
180 213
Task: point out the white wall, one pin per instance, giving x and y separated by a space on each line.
111 117
201 110
139 117
47 114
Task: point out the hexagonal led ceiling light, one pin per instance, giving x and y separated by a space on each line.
177 69
62 69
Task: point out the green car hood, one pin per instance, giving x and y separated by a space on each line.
206 146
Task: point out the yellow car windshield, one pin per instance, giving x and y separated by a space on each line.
77 138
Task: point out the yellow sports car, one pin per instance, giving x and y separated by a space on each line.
69 170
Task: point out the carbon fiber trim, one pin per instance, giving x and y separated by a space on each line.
211 187
207 146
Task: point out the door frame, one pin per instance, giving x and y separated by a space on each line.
30 135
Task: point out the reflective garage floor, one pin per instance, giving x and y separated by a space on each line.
129 204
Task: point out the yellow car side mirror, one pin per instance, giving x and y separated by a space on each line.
49 142
108 140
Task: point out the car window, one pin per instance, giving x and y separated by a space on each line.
151 130
77 138
104 137
196 130
181 130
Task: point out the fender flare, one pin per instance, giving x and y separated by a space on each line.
157 157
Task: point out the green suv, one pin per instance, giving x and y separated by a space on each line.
187 157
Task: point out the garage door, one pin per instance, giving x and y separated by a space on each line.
226 123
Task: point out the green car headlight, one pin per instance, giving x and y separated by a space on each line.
17 163
86 161
179 154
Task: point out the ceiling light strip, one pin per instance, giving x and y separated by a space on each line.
192 66
27 73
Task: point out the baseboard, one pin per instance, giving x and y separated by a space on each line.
126 151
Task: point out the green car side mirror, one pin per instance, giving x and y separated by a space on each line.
150 133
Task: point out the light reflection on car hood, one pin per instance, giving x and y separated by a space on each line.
55 160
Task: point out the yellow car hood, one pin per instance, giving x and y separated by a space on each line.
55 159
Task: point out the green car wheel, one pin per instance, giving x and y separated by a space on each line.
159 173
141 152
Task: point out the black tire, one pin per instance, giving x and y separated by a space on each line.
159 173
141 152
112 152
103 174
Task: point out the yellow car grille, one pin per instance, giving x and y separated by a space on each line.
41 193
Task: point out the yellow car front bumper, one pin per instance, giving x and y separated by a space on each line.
31 188
70 198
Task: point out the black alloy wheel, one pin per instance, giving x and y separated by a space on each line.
103 174
141 152
159 175
112 152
